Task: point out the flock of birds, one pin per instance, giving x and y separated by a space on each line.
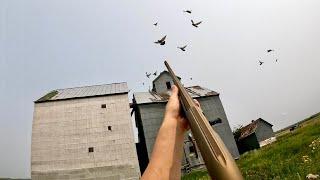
162 42
149 74
268 51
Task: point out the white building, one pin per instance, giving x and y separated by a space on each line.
84 133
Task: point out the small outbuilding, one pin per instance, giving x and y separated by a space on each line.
255 135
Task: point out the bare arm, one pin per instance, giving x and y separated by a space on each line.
165 162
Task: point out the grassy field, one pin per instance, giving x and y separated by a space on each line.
293 156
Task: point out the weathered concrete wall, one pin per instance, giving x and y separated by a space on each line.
213 109
152 116
63 131
264 131
96 173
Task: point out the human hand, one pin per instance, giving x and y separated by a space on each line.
173 111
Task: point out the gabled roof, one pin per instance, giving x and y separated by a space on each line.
251 128
163 72
85 91
154 97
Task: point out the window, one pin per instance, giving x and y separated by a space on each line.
168 85
90 149
191 149
215 121
109 128
103 106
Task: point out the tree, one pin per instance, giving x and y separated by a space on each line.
237 133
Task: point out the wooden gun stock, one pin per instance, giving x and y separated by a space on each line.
220 164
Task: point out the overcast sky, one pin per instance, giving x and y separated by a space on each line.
46 45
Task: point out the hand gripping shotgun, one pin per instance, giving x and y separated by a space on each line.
220 164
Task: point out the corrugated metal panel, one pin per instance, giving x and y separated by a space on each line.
86 91
198 91
153 97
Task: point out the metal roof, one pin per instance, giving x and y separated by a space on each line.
154 97
85 91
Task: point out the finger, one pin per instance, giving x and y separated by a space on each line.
197 103
174 91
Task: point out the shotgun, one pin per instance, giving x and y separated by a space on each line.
219 162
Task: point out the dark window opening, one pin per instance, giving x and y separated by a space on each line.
103 106
154 87
90 149
216 121
168 85
191 149
109 128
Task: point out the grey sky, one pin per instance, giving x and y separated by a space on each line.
46 45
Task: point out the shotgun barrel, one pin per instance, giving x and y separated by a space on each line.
219 162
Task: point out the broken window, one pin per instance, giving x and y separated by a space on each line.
109 128
215 121
90 149
103 106
168 85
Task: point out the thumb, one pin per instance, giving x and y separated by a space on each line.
174 90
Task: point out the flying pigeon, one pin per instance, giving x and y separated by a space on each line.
183 48
155 24
155 73
191 78
161 41
187 11
148 75
270 50
195 24
260 62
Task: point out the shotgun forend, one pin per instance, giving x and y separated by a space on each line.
219 162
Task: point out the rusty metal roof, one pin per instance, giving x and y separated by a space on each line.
248 129
154 97
85 91
251 128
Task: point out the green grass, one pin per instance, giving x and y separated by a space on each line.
291 157
198 174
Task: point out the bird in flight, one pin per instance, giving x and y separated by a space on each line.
191 78
162 41
148 75
260 62
155 24
276 60
187 11
195 24
270 50
183 48
155 73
